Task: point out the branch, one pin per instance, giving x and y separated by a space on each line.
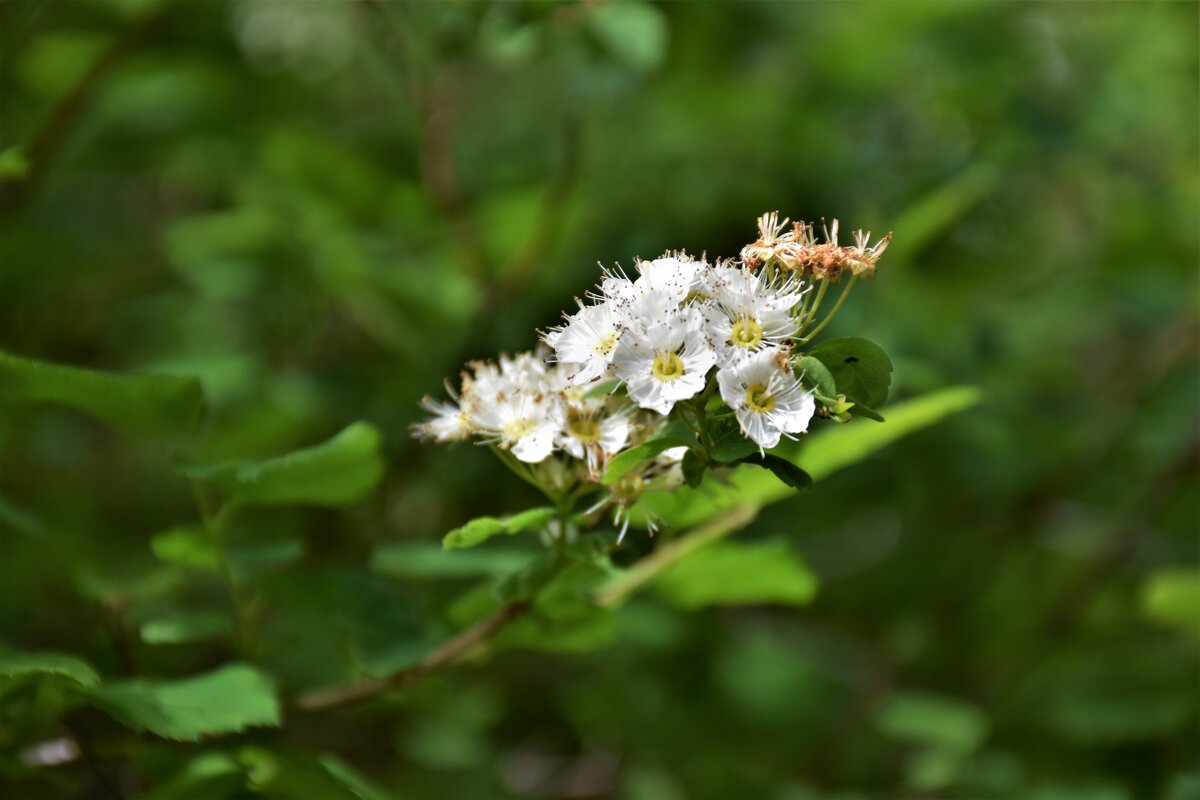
40 150
447 655
652 565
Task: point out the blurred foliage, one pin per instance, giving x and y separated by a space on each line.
321 209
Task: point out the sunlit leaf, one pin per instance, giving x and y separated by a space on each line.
16 664
1172 597
734 573
820 455
226 700
481 529
634 457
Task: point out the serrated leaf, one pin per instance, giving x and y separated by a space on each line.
481 529
733 573
785 470
226 700
417 560
16 664
147 405
629 460
338 472
861 370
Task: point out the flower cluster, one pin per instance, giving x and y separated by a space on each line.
660 334
679 339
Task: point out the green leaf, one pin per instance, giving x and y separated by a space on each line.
933 214
933 720
861 370
785 470
816 374
337 472
634 457
352 779
189 546
226 700
564 617
820 455
211 775
17 664
1172 596
481 529
693 468
193 546
147 405
416 560
729 444
732 573
860 410
634 32
184 626
13 163
283 776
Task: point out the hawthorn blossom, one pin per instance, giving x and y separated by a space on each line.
767 399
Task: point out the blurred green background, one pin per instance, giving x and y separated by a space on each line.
323 208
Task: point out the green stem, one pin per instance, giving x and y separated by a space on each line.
216 525
833 312
702 421
811 313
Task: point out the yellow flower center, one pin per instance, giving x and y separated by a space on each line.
584 429
759 399
667 367
746 333
518 428
607 342
629 487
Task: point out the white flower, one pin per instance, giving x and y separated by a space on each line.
749 312
525 423
448 424
664 361
587 341
766 397
595 430
513 404
674 275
